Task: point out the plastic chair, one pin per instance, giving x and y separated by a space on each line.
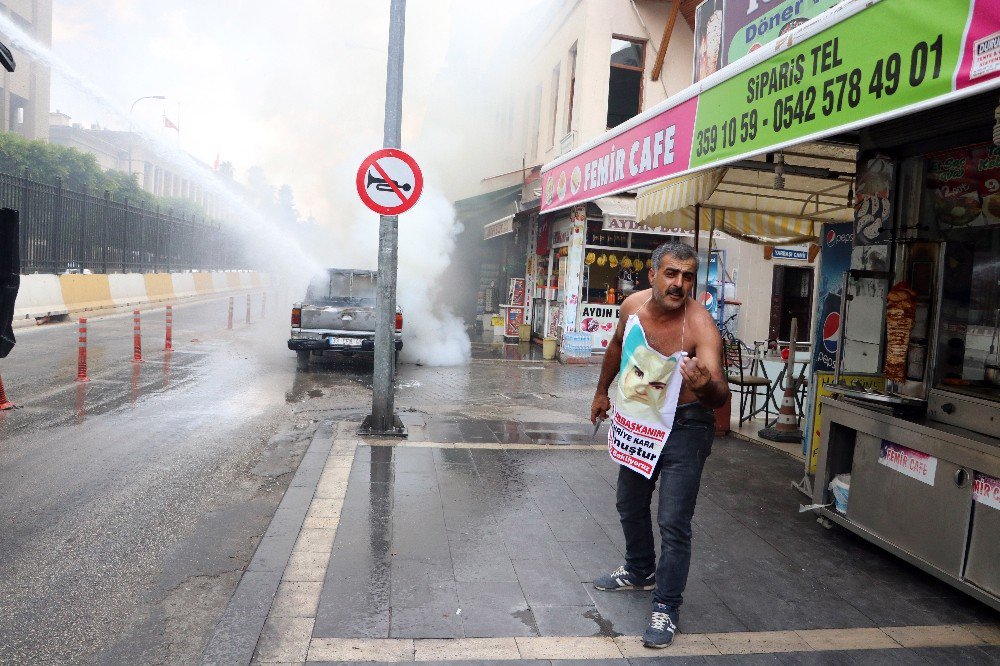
739 374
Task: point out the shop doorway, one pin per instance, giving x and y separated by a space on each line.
791 298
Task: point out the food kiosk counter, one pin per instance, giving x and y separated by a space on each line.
919 488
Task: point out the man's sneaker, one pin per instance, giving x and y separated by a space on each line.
662 626
620 579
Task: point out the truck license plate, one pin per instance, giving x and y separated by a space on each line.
347 342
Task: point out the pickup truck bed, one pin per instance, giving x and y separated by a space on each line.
338 316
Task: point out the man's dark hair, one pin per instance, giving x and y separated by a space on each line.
675 249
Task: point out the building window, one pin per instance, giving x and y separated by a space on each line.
536 124
555 105
628 60
572 89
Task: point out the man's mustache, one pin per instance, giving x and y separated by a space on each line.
675 291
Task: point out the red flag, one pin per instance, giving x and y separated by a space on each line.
170 125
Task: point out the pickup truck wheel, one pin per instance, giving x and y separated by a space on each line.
302 359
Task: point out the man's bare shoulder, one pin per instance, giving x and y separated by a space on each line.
701 319
632 303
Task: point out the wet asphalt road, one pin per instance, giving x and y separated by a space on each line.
129 505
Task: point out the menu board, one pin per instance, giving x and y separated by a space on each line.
963 188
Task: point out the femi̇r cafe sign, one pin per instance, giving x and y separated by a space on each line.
822 78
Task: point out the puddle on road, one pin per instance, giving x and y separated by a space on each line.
528 618
604 627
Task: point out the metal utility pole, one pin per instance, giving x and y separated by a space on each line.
383 419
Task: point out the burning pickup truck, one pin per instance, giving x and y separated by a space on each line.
338 317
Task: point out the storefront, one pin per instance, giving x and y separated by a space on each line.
502 258
586 262
904 385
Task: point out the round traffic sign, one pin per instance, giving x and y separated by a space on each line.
389 181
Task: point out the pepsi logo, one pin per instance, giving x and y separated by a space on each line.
831 332
707 300
832 238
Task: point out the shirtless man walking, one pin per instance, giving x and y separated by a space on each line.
671 321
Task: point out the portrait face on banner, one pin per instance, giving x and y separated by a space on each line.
642 387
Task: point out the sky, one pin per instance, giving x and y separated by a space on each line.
295 87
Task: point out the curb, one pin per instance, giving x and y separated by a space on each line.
238 630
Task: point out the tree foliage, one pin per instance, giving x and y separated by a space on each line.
79 171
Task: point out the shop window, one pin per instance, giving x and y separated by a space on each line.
536 125
628 59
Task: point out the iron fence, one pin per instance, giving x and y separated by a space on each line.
64 230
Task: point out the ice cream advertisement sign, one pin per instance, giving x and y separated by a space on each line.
825 76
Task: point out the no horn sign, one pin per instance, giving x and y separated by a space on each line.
389 181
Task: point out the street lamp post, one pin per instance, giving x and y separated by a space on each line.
130 128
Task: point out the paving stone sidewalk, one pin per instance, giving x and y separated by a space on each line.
477 540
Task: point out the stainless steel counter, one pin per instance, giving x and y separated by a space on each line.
911 491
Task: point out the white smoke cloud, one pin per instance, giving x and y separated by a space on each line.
299 90
433 335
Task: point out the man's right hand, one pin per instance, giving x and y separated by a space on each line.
599 408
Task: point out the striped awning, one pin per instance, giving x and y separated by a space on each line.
678 193
766 228
750 212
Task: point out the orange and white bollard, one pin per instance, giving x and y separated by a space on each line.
136 337
786 428
168 344
229 326
81 362
248 308
5 404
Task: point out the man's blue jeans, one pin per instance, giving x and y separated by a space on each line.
679 471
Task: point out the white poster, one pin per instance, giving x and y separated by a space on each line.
913 464
600 321
986 490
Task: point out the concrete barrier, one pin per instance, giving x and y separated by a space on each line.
204 283
219 283
53 295
39 296
128 289
86 292
184 285
159 286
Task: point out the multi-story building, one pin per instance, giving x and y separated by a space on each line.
129 153
24 99
583 67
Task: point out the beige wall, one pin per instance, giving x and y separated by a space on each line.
753 285
591 24
518 130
